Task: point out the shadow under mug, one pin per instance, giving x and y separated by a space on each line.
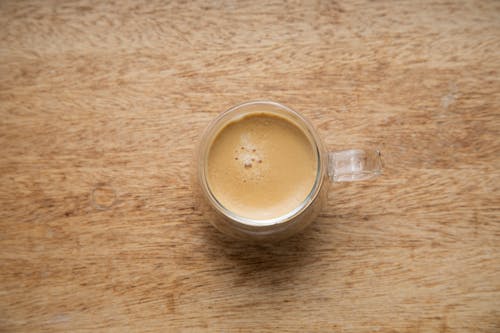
340 166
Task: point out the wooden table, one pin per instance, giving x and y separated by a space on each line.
102 105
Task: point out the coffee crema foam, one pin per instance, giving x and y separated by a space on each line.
261 166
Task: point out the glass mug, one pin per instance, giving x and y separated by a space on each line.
340 166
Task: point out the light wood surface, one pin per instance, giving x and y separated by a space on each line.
101 104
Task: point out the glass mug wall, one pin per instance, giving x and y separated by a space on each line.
232 160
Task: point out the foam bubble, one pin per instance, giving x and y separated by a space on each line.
250 158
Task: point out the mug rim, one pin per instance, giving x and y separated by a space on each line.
282 219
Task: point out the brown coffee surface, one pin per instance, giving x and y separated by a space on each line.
261 166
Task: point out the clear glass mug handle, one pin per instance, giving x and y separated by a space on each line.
354 164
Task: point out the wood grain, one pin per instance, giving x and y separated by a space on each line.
101 106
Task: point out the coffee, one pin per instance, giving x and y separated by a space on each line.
261 166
